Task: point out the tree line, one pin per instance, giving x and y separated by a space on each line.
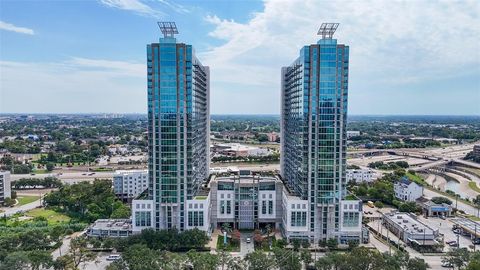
33 183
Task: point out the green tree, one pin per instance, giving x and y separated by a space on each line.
79 253
296 244
202 261
417 264
287 259
121 211
306 256
50 166
458 257
259 260
332 243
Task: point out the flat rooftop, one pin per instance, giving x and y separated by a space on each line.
112 224
409 224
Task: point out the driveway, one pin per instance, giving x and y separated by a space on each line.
245 247
8 211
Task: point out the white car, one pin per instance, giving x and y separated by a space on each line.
249 240
113 257
446 264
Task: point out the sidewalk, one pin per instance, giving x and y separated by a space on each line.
213 242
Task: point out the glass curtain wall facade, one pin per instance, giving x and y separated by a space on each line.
314 117
178 129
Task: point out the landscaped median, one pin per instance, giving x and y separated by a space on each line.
231 246
473 186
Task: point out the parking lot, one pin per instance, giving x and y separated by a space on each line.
445 228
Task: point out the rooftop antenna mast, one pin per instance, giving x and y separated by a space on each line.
169 29
327 30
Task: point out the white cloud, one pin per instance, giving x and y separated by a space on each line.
10 27
391 42
400 38
74 85
148 10
133 5
176 7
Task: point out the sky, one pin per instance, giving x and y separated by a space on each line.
406 57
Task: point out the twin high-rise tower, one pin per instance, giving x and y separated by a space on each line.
314 118
313 153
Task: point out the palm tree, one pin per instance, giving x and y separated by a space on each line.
476 201
226 227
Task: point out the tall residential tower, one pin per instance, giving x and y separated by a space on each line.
178 133
314 118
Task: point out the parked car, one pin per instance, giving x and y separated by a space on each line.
447 264
249 240
453 244
113 257
476 241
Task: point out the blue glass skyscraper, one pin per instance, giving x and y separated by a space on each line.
314 117
178 127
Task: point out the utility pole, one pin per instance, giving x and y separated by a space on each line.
475 239
456 201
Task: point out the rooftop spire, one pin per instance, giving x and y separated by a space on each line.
327 30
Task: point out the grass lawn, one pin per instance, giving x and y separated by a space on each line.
230 247
101 170
474 186
22 200
416 178
50 215
40 171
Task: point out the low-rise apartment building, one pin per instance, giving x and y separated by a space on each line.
407 190
5 189
248 201
360 175
128 185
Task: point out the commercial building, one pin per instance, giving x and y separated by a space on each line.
432 209
5 189
178 131
314 141
360 176
110 228
128 185
410 230
246 201
407 190
239 150
352 133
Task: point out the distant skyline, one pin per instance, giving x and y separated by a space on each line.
406 58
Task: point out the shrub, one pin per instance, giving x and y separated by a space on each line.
378 204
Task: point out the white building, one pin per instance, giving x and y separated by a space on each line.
410 230
128 185
360 176
250 201
240 150
5 191
407 190
352 133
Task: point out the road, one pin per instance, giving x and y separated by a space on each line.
245 247
67 177
9 211
427 193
